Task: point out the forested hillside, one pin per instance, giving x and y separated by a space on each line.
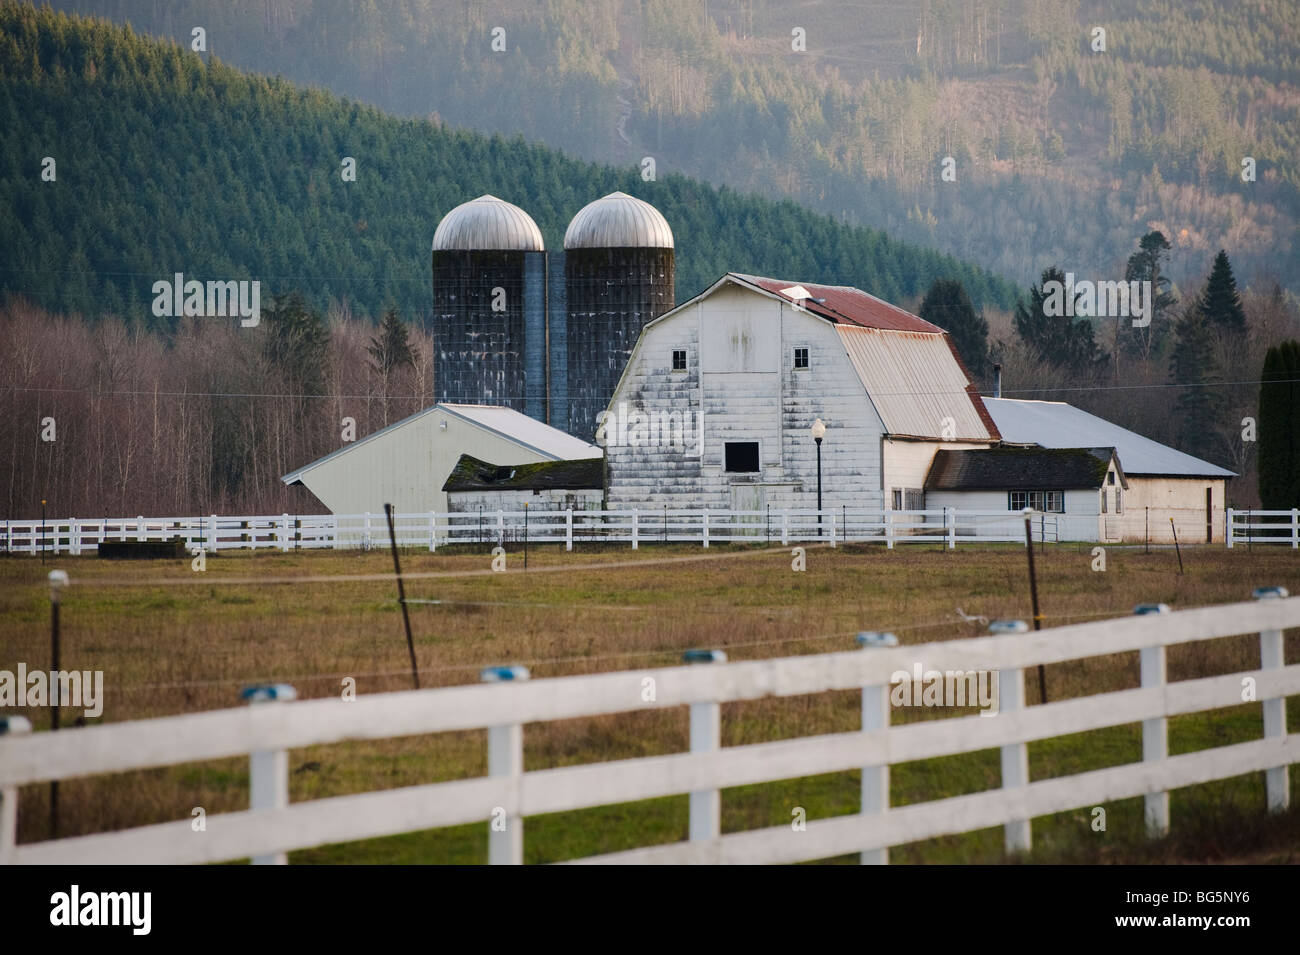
165 162
1064 153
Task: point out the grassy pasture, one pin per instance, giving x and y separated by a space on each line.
173 641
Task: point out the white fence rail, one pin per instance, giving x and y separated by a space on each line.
432 530
274 826
1263 527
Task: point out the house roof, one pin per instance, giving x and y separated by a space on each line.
1020 469
528 433
474 474
1055 424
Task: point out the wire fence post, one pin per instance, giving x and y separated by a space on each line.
268 769
706 737
505 761
1271 657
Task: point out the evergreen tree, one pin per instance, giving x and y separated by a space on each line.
1220 301
1064 341
1279 428
1193 366
296 343
1147 265
947 305
390 348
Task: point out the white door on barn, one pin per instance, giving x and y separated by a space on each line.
749 497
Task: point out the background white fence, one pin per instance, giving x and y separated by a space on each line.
433 530
267 730
1263 527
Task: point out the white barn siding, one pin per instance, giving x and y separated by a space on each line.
740 373
1080 522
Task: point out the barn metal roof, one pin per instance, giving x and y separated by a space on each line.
475 474
618 221
916 382
843 304
488 223
1055 424
1020 469
506 422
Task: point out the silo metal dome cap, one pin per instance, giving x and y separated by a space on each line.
488 223
618 221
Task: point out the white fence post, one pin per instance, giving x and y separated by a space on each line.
785 528
1017 834
433 532
10 725
1295 528
365 531
1227 520
74 540
505 760
501 528
568 529
1155 741
141 534
706 737
950 513
832 527
889 529
705 525
1271 657
284 532
268 769
212 533
875 716
634 529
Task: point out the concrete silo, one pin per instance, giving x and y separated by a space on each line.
618 275
489 307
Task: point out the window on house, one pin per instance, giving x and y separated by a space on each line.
742 457
898 498
801 358
1110 477
679 359
1051 501
1105 500
909 499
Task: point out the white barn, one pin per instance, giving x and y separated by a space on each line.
715 405
407 463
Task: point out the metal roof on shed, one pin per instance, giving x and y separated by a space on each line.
844 304
475 474
506 422
1055 424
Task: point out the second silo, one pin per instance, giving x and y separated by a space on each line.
489 307
618 272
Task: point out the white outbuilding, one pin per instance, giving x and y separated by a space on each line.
407 463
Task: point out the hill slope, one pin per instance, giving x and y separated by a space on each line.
166 163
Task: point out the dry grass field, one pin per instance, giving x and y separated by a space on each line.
170 640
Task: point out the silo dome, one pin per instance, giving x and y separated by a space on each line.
488 223
618 221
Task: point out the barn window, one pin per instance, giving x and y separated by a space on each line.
742 457
1051 501
1105 501
801 358
1110 477
909 499
679 359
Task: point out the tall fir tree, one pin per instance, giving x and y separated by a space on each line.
1063 341
1278 426
391 348
1200 402
1147 265
947 305
1220 301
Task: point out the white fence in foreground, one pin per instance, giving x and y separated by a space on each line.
431 530
267 731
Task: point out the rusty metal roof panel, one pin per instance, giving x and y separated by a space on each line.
916 383
844 305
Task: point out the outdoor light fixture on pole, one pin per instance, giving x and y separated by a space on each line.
819 432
